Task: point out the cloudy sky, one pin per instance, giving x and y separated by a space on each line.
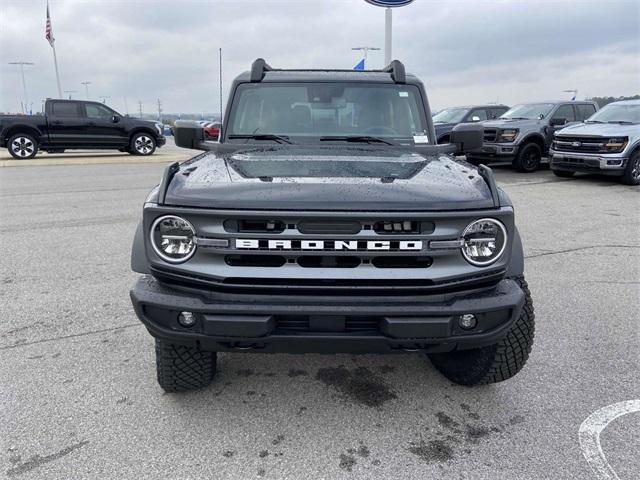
466 51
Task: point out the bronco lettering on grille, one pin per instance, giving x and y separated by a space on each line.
357 245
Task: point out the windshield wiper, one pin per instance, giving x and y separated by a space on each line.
621 122
356 139
514 118
593 121
263 136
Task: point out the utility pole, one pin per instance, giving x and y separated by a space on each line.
24 83
70 92
104 98
86 88
365 50
159 111
140 107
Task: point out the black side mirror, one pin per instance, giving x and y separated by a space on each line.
557 122
467 136
115 119
188 134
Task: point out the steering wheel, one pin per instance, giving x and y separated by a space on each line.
380 129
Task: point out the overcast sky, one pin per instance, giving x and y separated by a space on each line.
466 51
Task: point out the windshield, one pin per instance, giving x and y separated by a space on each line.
529 111
309 112
450 115
617 114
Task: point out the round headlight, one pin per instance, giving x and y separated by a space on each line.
173 238
483 241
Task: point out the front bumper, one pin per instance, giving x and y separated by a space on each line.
160 141
612 164
499 152
350 324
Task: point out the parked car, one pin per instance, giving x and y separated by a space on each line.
523 135
445 120
608 143
75 124
212 131
311 229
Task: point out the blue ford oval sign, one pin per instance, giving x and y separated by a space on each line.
389 3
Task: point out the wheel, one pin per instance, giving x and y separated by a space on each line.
142 144
563 173
493 363
22 146
631 174
528 158
181 368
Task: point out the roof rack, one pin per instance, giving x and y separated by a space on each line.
260 66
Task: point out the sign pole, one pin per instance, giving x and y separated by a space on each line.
388 20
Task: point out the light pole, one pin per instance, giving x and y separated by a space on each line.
24 83
70 92
104 98
574 91
86 88
365 50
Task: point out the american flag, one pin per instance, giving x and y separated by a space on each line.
48 33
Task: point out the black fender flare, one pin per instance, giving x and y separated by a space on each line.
139 262
516 264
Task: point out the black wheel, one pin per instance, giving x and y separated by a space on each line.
142 144
528 158
563 173
631 174
181 368
22 146
493 363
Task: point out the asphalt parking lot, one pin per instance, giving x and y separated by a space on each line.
79 397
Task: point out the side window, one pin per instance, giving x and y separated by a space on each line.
480 113
98 112
566 112
496 112
585 111
65 109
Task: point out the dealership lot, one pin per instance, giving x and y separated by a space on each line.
77 368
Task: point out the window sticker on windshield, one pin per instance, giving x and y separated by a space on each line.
403 94
420 139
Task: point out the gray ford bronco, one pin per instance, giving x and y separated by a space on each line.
327 219
523 135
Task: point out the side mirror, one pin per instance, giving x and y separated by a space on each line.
188 134
115 119
467 137
475 118
556 122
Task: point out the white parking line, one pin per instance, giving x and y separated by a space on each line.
589 436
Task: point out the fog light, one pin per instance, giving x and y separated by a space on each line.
187 319
467 321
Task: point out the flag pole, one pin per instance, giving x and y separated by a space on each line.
52 42
55 62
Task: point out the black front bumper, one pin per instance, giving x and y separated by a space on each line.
495 152
353 325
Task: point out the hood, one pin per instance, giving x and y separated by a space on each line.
507 123
331 178
601 130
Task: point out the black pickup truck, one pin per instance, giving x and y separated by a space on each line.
74 124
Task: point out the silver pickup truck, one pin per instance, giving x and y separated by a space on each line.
607 143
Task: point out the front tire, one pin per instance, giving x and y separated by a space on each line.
22 146
528 158
142 144
497 362
181 368
631 174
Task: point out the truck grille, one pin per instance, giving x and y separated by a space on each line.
580 144
490 135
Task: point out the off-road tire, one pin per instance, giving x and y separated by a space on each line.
631 175
497 362
528 158
181 368
22 146
563 173
142 144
